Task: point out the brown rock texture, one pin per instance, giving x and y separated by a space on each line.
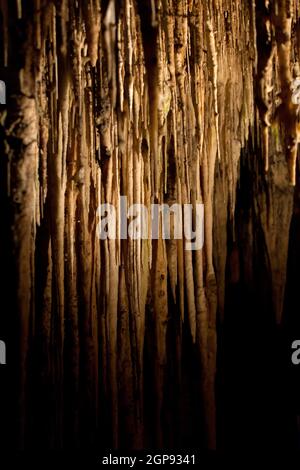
126 343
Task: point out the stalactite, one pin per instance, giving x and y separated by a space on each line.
264 75
214 61
288 110
274 23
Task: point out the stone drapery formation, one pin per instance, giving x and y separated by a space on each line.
162 101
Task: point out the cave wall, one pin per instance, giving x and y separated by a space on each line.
182 101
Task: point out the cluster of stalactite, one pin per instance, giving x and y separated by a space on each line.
278 64
154 100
